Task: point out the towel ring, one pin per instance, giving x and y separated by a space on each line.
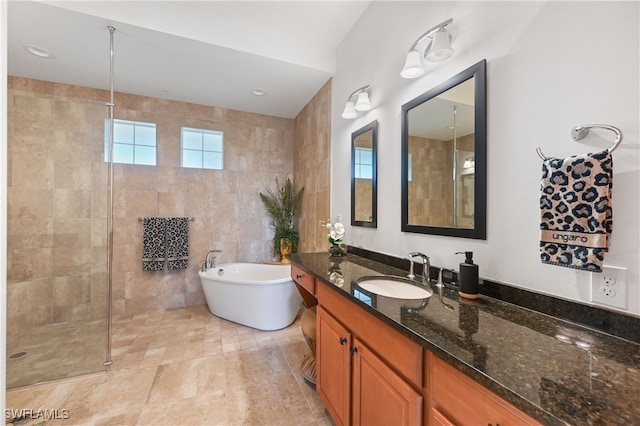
579 132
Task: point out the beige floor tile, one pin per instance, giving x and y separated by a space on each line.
194 349
173 353
187 367
187 379
197 411
117 394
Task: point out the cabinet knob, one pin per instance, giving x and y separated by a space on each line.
343 340
354 350
298 276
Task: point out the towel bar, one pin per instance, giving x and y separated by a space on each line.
191 219
580 132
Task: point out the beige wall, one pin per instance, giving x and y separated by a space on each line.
312 164
57 199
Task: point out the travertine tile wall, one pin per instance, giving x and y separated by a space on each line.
56 236
431 188
364 200
57 200
312 164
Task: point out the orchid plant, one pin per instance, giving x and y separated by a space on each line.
336 232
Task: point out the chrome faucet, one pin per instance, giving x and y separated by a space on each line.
410 275
426 267
440 287
210 261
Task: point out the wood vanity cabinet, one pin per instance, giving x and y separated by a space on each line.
456 399
359 358
369 373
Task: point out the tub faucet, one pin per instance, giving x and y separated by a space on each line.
210 261
426 267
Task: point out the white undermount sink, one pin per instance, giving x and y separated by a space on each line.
396 287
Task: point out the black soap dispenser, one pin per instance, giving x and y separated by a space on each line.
468 277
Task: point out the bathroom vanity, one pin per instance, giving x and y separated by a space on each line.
383 360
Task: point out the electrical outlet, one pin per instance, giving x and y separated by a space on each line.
610 287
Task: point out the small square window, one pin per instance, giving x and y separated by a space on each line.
363 163
202 149
134 142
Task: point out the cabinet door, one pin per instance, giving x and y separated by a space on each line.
439 419
333 374
380 396
465 402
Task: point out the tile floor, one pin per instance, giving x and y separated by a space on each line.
56 351
186 367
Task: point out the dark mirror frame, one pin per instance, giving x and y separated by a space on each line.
373 223
480 188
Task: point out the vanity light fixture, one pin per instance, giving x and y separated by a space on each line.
362 103
438 49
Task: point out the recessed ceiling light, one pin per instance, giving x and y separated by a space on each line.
38 51
258 91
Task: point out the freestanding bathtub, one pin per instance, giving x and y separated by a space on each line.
257 295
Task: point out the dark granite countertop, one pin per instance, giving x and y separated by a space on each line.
554 370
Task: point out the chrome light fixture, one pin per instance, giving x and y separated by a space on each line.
438 49
362 103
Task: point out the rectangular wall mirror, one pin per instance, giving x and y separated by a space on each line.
444 138
364 188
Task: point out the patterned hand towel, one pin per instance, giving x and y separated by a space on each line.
177 243
153 244
575 210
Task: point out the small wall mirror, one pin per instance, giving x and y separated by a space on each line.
444 146
364 188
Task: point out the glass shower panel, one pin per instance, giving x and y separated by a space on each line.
57 232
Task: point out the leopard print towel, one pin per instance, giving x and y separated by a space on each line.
165 240
154 246
575 210
177 243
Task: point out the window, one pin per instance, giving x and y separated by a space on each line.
364 297
201 149
364 163
134 142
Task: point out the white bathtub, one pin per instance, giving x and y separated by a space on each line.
257 295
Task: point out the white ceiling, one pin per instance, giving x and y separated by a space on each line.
204 52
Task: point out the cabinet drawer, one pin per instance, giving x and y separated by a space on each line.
463 401
399 351
303 278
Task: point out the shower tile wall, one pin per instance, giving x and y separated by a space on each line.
56 206
57 191
312 161
433 202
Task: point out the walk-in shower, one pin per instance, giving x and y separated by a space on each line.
59 230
